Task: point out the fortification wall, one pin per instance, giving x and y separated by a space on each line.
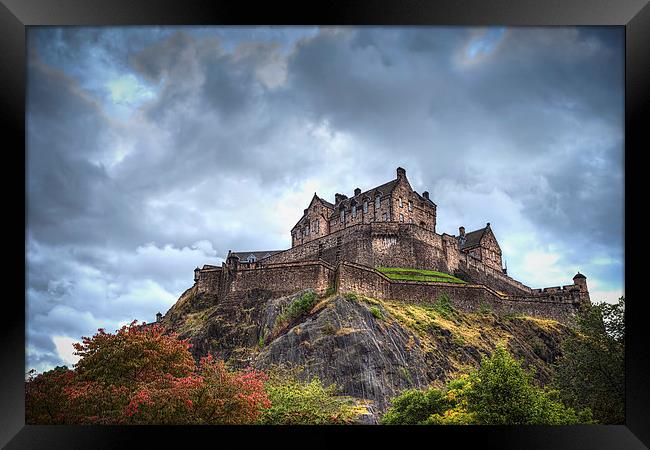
475 271
276 280
469 298
375 244
210 280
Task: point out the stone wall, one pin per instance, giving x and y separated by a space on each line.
469 298
277 280
210 279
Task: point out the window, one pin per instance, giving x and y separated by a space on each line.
378 202
401 205
385 217
410 205
317 226
411 220
401 217
251 259
354 210
342 215
365 206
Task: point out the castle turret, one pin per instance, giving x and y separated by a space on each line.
581 281
232 261
197 271
461 231
425 194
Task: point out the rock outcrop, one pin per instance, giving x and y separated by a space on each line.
372 349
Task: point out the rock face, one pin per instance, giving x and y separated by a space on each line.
371 349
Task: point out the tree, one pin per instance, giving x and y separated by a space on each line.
295 402
591 372
499 392
141 376
45 399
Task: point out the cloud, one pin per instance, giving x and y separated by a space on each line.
151 151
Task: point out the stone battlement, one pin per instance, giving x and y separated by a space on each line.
339 246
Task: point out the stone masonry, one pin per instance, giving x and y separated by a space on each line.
339 245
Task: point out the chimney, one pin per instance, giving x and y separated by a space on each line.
401 173
158 317
461 231
488 225
357 191
338 198
197 271
425 194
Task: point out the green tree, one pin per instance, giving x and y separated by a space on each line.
500 392
296 402
591 372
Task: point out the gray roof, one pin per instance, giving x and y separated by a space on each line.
258 254
472 239
370 193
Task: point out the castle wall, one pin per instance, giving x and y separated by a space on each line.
210 280
468 298
276 280
475 271
376 244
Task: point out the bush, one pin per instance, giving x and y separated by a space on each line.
375 311
350 296
443 306
296 309
330 291
591 372
141 376
500 392
295 402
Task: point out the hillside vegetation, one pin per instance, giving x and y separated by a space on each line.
372 349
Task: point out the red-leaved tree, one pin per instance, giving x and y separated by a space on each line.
139 375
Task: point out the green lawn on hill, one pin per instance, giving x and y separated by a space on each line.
401 273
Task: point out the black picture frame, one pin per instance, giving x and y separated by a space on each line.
16 15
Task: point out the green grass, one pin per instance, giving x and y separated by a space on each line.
400 273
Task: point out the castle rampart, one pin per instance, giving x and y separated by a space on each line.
342 244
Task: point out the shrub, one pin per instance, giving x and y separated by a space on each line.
350 296
296 309
500 392
330 291
295 402
140 376
375 311
443 306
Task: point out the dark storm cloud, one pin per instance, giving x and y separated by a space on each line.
153 150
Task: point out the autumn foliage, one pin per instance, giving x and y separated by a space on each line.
141 376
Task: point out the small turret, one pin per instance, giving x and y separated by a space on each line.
461 231
425 194
581 281
401 173
357 191
197 271
158 317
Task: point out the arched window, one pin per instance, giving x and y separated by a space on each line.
365 205
342 215
378 201
251 259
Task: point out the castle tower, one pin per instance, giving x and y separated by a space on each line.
581 281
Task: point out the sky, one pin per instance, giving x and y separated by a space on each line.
151 151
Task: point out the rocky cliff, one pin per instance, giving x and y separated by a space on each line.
372 349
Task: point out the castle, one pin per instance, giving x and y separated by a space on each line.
341 246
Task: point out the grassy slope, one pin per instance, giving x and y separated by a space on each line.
400 273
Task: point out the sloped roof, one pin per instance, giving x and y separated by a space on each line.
472 239
258 254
